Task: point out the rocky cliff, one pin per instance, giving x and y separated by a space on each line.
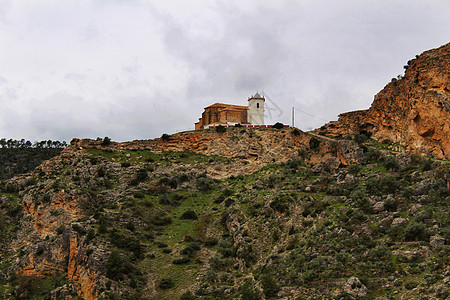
413 110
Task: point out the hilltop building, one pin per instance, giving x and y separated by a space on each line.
229 115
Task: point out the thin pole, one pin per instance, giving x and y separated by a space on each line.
293 117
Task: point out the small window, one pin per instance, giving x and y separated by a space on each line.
257 105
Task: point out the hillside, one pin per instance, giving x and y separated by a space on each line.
249 213
413 110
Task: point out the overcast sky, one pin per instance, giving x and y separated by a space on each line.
137 69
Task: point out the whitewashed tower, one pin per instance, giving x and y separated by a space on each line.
255 114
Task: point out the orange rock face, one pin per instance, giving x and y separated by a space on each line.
413 110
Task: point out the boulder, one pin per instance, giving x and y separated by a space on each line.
436 240
354 287
399 221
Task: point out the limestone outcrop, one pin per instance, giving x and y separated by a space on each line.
413 110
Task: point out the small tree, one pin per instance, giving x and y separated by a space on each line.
106 141
248 291
115 267
270 286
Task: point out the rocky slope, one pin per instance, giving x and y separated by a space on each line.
413 110
248 213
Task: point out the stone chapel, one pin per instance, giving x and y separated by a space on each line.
230 115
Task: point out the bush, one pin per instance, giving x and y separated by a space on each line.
187 296
191 249
390 205
280 204
189 215
166 283
79 229
123 241
373 155
278 125
115 267
310 275
205 184
354 169
295 132
270 286
248 291
181 261
60 229
141 175
390 163
106 141
359 138
416 232
226 248
314 143
221 129
165 137
426 164
410 285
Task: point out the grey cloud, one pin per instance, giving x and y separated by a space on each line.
137 69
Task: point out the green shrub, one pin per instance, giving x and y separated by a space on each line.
205 183
310 275
278 125
166 283
390 205
115 266
295 132
79 229
426 165
359 138
410 285
60 229
373 155
221 129
226 248
187 296
314 143
141 175
416 232
354 169
90 235
165 137
189 214
280 204
106 141
390 163
227 192
270 286
248 290
302 153
181 261
127 242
